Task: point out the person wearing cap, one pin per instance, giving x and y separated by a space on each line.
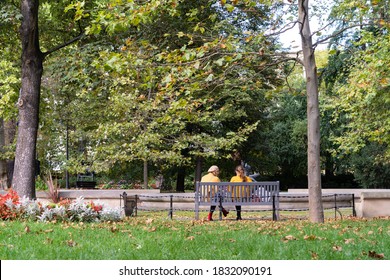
212 176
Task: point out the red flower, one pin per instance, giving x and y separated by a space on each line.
95 207
5 212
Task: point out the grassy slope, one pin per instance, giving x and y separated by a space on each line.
153 236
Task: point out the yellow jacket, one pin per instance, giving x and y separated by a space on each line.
239 191
210 177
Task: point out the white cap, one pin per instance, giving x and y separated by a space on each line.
213 168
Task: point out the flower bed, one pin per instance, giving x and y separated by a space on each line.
13 207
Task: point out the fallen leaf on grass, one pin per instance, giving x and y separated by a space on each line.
114 229
374 255
349 241
199 222
288 238
48 241
310 237
337 248
190 238
71 243
10 246
314 256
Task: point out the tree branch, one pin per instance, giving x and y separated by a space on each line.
338 33
283 29
63 45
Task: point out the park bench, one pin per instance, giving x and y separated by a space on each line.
224 194
86 181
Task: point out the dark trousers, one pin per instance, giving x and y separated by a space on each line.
238 210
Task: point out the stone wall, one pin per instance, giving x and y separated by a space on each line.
368 203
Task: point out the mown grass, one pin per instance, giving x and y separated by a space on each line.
152 236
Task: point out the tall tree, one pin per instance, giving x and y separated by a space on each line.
316 212
29 99
32 58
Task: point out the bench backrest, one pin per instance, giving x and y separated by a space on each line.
245 193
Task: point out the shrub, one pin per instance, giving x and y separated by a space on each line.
6 205
11 207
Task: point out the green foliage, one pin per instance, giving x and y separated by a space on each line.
287 137
371 169
167 91
356 104
171 81
359 96
9 61
8 88
40 184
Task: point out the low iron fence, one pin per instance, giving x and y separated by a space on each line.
169 203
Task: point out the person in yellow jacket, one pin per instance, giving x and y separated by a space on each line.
212 176
239 192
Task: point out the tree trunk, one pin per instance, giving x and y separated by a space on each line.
180 182
23 180
316 212
329 167
145 174
198 169
3 162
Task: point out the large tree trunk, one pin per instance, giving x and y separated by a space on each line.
316 212
23 180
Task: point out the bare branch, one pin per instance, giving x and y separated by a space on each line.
283 29
75 39
323 28
338 33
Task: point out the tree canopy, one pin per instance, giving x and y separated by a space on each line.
174 83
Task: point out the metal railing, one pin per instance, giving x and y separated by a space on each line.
171 204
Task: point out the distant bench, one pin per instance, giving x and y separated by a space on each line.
86 181
245 193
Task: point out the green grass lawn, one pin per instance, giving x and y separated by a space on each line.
152 236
